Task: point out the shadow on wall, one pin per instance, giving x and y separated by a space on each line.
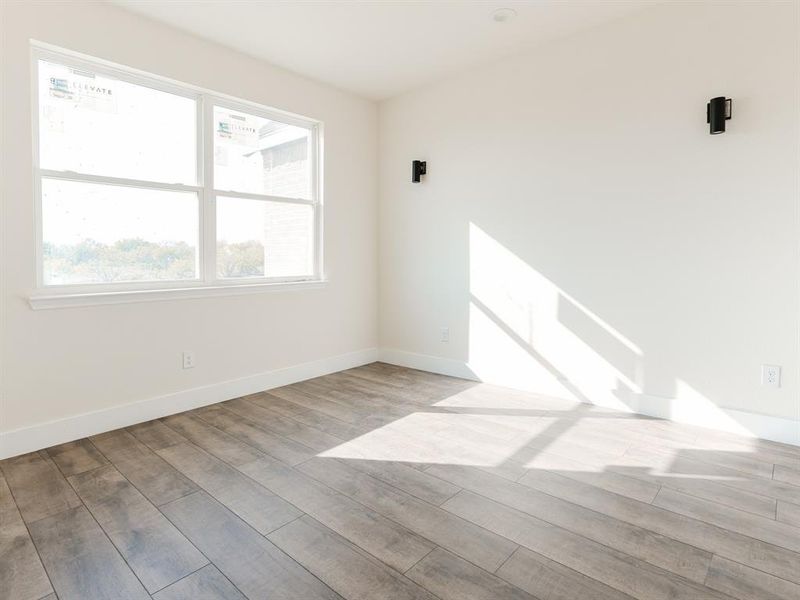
527 333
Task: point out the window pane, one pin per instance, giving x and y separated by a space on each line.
258 238
259 156
103 126
96 233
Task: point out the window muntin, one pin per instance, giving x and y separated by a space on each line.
146 214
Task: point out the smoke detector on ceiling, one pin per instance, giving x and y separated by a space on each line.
503 15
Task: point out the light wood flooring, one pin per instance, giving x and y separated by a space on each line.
387 483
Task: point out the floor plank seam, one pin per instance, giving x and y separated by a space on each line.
670 573
238 469
727 483
267 430
105 533
500 566
185 576
721 503
455 552
604 545
245 442
658 491
622 521
157 507
30 536
210 562
404 573
301 422
61 470
267 533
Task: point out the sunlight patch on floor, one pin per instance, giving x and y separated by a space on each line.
495 398
442 438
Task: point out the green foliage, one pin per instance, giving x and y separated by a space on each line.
245 259
136 259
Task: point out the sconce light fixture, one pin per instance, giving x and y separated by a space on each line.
718 110
418 169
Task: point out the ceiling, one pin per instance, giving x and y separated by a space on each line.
379 49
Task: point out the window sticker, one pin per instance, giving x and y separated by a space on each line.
241 130
83 90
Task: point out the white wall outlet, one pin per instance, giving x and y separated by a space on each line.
771 376
188 360
444 334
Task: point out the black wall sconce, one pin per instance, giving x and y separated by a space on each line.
418 169
718 110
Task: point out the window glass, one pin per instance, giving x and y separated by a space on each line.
261 238
97 125
260 156
98 233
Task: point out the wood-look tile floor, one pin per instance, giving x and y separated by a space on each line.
387 483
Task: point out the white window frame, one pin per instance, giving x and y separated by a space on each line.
206 282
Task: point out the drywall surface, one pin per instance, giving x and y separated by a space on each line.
579 231
57 364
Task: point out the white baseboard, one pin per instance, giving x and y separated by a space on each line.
777 429
36 437
48 434
426 362
731 420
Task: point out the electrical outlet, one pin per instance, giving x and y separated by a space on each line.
188 360
771 376
445 334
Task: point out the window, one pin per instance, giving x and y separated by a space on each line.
147 184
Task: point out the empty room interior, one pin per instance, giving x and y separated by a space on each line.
400 299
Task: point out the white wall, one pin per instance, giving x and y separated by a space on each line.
58 364
581 233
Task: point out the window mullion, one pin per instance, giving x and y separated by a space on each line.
316 190
209 241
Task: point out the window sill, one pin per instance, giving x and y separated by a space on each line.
41 301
